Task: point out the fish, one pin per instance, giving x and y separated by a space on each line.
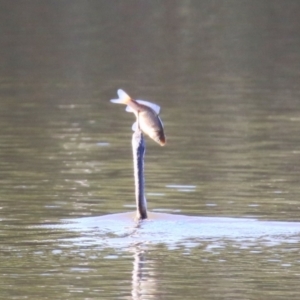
146 114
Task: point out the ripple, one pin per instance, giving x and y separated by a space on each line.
182 188
121 230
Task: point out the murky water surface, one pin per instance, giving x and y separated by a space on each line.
224 191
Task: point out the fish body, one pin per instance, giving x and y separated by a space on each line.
146 114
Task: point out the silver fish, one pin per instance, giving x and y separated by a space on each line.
147 116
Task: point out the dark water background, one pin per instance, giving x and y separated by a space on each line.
226 75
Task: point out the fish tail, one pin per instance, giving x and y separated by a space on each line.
123 98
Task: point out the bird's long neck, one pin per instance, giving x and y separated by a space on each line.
138 147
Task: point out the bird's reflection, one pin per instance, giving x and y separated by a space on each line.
143 279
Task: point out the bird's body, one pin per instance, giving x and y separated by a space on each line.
147 121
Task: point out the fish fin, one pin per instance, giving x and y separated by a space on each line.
123 98
154 106
134 126
129 109
161 122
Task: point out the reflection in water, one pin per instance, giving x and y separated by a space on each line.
222 238
143 276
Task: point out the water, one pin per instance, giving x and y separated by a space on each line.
226 77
